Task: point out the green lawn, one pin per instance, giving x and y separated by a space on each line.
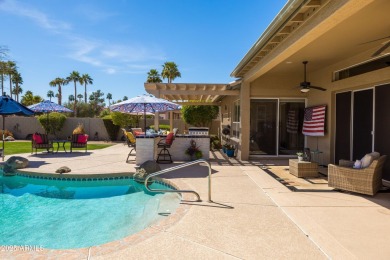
25 147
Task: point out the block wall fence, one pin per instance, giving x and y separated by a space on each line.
21 127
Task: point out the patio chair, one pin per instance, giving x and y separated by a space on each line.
131 142
164 156
79 141
40 141
364 180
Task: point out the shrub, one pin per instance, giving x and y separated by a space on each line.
199 115
6 134
122 119
79 129
111 128
161 127
52 122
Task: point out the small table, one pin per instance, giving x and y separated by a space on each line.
303 169
58 144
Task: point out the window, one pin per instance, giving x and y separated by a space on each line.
369 66
236 119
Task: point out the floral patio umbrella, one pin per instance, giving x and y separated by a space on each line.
145 104
8 106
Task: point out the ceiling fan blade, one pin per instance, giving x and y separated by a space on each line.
318 88
381 49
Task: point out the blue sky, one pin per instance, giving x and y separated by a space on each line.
118 42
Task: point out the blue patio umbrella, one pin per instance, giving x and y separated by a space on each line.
8 106
144 104
48 106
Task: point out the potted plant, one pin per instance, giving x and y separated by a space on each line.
193 151
230 149
300 156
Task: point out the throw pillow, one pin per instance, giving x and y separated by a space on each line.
357 164
366 161
82 139
375 155
37 138
169 139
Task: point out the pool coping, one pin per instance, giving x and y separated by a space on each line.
29 252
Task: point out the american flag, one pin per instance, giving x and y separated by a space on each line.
314 122
292 122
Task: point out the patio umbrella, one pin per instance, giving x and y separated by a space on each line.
48 106
8 106
144 103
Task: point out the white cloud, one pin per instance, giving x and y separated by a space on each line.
14 7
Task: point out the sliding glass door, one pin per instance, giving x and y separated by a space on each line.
263 126
276 126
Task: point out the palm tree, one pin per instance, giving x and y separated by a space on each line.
170 71
80 96
109 97
17 80
11 70
125 98
3 73
75 77
50 94
71 98
17 92
153 76
58 82
85 80
30 99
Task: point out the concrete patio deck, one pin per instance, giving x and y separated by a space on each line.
252 216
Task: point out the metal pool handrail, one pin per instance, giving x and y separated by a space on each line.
179 167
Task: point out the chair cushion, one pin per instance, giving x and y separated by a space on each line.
130 136
169 139
357 164
366 161
82 139
37 138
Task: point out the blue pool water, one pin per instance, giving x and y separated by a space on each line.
75 214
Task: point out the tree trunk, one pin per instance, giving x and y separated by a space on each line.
59 94
75 100
85 93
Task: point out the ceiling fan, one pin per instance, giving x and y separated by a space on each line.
305 85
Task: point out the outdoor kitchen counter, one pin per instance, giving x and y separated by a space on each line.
147 147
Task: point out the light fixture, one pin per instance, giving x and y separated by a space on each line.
305 90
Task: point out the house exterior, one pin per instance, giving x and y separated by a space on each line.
346 45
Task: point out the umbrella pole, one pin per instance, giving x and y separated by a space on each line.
145 118
2 153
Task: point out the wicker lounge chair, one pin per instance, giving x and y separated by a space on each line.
366 181
40 141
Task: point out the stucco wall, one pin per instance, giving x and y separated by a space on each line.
277 86
22 126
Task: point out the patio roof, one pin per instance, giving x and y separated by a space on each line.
193 93
322 32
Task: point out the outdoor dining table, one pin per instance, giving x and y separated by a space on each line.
58 141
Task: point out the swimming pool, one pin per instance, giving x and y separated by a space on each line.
63 214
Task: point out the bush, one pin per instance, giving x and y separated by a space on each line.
52 122
6 134
79 129
162 127
111 128
122 119
199 115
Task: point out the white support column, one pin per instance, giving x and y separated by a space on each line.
170 121
243 152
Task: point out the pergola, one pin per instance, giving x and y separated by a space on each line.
192 93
